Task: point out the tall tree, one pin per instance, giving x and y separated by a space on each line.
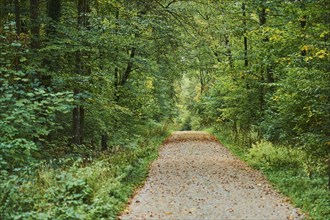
54 13
35 24
18 17
78 114
246 59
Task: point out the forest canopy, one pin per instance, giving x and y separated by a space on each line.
82 77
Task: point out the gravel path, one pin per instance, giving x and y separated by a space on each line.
197 178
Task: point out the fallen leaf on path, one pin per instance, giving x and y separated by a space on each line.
230 210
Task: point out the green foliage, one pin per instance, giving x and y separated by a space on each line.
265 155
116 91
289 170
302 110
186 124
270 80
16 153
122 61
27 115
308 193
79 189
87 65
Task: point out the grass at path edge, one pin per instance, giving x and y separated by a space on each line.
98 189
310 194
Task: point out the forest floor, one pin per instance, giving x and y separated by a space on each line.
195 177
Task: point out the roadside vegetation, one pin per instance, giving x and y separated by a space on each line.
88 89
265 93
286 168
97 186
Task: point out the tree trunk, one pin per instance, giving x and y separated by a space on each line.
202 79
35 24
121 78
78 118
116 84
129 67
229 53
83 9
246 61
78 125
18 31
54 12
262 22
78 114
18 17
116 70
104 142
303 23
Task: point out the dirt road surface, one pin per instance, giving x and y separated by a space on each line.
195 177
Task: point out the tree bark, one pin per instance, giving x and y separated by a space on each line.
104 142
18 30
54 12
78 125
262 21
83 9
78 118
35 24
246 61
121 78
116 70
229 53
78 114
18 17
129 67
303 23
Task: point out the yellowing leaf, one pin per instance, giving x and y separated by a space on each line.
321 54
305 47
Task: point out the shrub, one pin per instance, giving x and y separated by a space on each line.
186 124
265 155
76 189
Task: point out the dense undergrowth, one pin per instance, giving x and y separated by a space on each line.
78 188
286 168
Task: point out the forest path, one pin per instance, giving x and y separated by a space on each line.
195 177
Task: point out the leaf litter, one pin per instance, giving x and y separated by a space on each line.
195 177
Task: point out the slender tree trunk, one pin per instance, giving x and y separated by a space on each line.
78 119
76 123
117 84
83 10
18 30
54 8
303 23
262 22
54 13
129 67
78 114
18 17
81 123
121 78
104 142
229 53
116 70
202 80
35 24
262 16
3 12
246 61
